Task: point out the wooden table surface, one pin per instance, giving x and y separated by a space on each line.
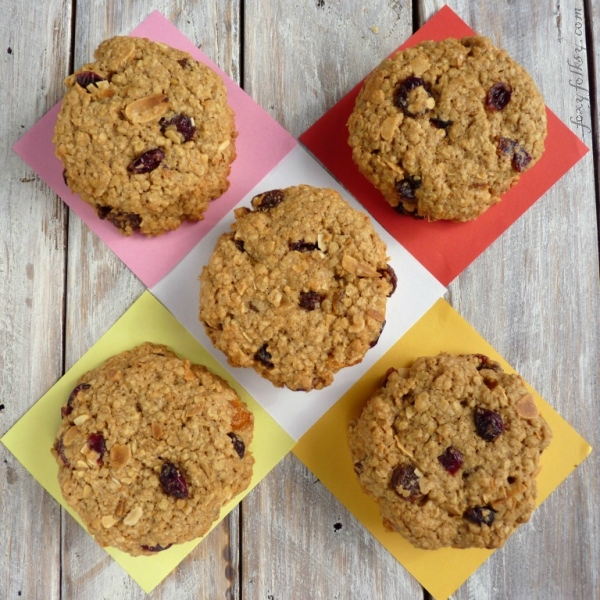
534 295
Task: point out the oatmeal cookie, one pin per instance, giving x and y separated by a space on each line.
445 128
298 288
150 448
145 135
449 449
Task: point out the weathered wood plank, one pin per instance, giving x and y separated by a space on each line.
534 296
100 288
299 60
32 238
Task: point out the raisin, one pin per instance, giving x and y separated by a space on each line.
183 124
146 162
407 187
60 450
404 478
498 96
157 548
121 220
374 342
451 460
390 275
264 357
310 300
267 200
440 123
238 444
480 515
65 177
358 467
68 408
86 78
302 246
387 375
488 423
184 62
402 91
173 481
98 445
239 244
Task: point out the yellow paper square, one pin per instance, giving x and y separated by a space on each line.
324 449
31 438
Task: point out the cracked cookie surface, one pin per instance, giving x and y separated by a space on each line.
298 288
145 135
150 448
445 128
449 450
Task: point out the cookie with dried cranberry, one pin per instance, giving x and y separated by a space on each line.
449 450
145 135
298 288
445 128
150 448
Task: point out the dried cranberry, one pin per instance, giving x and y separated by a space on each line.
405 478
85 78
451 460
388 373
498 96
390 275
157 548
264 357
402 210
407 187
183 124
520 159
440 123
402 91
238 444
173 481
268 200
68 408
303 246
60 450
374 342
491 384
98 445
146 162
488 423
310 300
480 515
487 363
121 220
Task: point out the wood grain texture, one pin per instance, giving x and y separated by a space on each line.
32 239
534 295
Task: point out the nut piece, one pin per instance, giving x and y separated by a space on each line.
147 109
80 420
70 436
119 456
350 264
526 407
134 516
389 126
108 521
157 430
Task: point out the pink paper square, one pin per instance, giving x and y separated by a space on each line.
444 248
260 145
